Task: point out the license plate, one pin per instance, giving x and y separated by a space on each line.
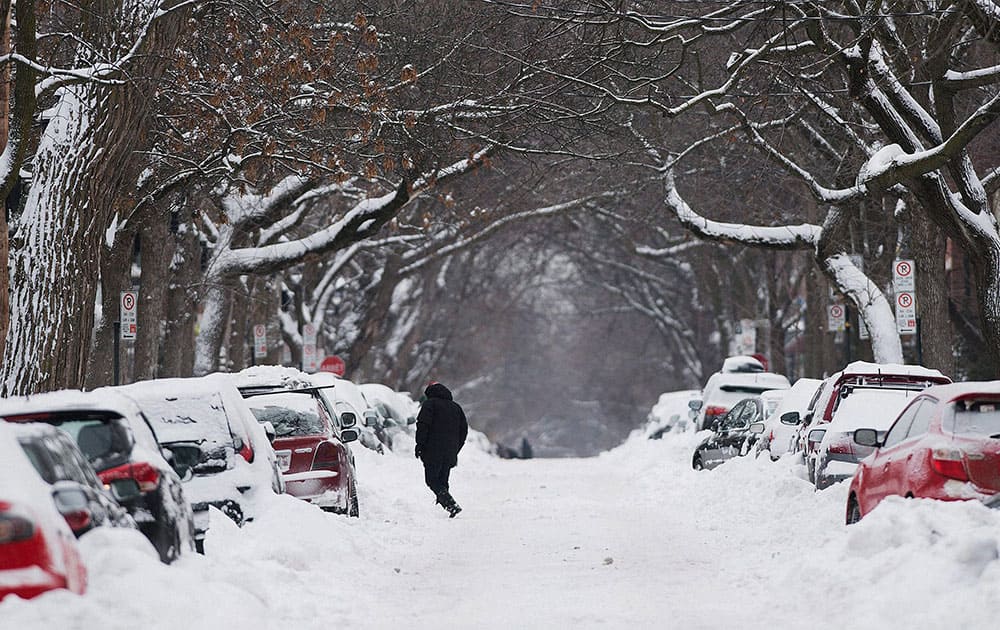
284 460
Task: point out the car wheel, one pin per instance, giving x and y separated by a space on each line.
853 510
353 509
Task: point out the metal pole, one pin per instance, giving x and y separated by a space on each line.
920 345
117 328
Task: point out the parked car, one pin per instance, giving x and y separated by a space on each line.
828 449
780 426
740 377
311 436
671 412
215 443
731 435
396 407
38 551
118 441
372 424
79 495
945 445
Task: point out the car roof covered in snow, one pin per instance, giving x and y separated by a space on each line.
865 368
70 400
742 363
961 390
264 376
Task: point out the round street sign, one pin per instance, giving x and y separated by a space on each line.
836 311
905 300
259 330
128 301
903 268
333 364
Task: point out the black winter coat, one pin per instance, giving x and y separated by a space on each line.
441 427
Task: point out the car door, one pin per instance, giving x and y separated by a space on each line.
880 481
904 475
734 428
713 452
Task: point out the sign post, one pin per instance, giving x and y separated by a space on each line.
128 314
309 361
260 341
836 318
906 313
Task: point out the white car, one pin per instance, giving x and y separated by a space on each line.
372 423
741 377
223 453
672 412
780 426
395 406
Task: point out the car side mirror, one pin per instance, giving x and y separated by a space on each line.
694 405
348 420
348 435
272 435
371 419
791 418
757 428
867 437
816 435
411 420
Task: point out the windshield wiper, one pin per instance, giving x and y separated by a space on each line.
995 436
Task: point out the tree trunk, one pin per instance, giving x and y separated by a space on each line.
156 255
184 273
116 276
239 329
216 304
936 331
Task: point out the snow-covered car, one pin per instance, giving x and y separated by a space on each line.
740 377
731 436
371 422
780 426
38 551
943 446
118 441
223 454
397 407
672 412
311 444
811 433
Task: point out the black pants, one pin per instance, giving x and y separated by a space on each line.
436 476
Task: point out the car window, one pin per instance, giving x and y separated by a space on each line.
734 417
922 420
898 431
197 417
973 417
40 458
290 413
751 413
105 440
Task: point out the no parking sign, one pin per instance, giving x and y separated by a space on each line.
128 314
836 317
906 313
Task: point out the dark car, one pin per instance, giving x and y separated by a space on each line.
117 440
945 445
77 492
731 435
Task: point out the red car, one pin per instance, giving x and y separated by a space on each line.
944 445
311 445
38 551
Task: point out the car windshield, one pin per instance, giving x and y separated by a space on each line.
973 417
291 414
102 437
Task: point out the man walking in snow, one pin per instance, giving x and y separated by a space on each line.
441 431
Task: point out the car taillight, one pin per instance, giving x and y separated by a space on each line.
327 456
247 452
144 474
841 445
714 410
77 519
948 462
14 527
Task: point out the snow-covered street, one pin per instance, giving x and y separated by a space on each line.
633 538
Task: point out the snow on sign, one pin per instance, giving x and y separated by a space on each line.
836 318
309 361
903 276
128 314
260 341
906 313
333 364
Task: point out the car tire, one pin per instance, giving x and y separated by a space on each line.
353 509
853 510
